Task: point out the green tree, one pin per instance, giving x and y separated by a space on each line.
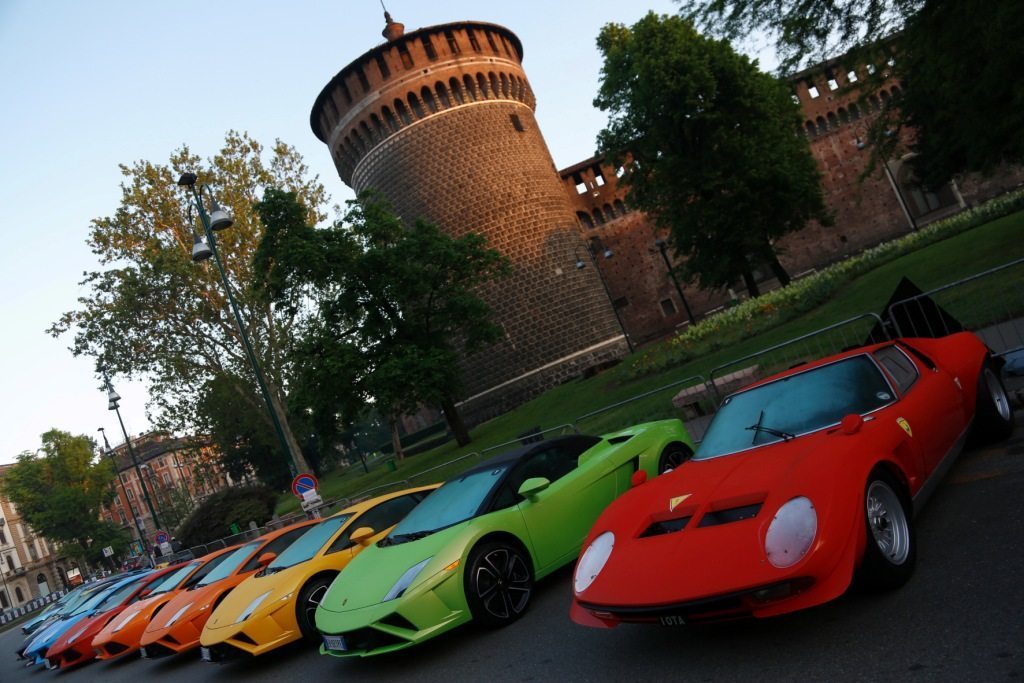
153 313
390 307
60 491
957 61
710 147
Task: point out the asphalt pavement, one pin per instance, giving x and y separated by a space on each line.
960 618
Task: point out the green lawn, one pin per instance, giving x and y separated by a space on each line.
962 255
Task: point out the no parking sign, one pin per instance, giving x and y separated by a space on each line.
303 483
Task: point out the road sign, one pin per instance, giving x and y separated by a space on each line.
162 537
108 552
303 483
165 548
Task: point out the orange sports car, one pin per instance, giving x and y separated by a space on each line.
122 635
75 646
178 625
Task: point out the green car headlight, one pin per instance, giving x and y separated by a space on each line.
406 580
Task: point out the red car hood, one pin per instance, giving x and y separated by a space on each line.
83 632
730 501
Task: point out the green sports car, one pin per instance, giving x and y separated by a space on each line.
473 548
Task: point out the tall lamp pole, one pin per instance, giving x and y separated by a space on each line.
580 265
117 474
220 220
112 398
663 248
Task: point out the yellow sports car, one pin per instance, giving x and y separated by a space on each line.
276 605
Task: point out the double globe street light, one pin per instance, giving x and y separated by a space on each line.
113 399
202 249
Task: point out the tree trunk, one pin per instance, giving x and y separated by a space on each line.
748 281
454 419
297 456
396 441
777 268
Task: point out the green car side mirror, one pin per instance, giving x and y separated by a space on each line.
532 486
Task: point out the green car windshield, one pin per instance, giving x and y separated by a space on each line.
456 501
308 544
795 405
230 563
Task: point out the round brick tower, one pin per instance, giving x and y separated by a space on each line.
440 122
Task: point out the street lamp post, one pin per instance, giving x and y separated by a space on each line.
112 399
580 265
220 220
117 473
663 248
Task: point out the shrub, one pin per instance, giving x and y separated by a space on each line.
769 310
237 505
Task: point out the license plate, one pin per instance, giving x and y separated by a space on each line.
335 643
205 654
143 653
673 620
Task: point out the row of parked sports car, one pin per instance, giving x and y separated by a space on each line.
803 482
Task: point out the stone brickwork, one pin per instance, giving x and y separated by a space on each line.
440 122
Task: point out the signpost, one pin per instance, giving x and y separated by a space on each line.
304 486
108 552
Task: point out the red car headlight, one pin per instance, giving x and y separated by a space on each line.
593 561
791 532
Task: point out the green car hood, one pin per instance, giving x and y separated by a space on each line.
372 573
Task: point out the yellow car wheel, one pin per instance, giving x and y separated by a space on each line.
305 607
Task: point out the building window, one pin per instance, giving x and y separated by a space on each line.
131 494
382 65
3 538
851 76
19 594
516 123
403 52
813 91
428 47
120 513
585 219
4 602
167 478
453 45
473 41
668 307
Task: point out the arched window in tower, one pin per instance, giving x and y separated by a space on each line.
428 99
378 127
896 92
585 220
415 106
884 94
822 125
620 208
390 120
368 135
833 122
504 85
844 118
443 100
484 89
854 111
609 212
812 130
456 90
357 142
495 88
873 103
402 112
598 217
471 95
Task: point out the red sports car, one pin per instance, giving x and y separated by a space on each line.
803 479
75 646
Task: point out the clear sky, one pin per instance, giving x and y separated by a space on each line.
90 85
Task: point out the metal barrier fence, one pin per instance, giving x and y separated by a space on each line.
689 402
12 613
826 341
970 303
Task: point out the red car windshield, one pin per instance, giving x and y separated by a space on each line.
796 404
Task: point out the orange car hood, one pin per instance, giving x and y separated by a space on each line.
193 602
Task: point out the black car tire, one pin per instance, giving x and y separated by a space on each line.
993 413
498 583
310 597
890 551
673 456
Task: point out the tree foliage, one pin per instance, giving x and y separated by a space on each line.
957 61
389 307
151 312
714 157
213 518
60 491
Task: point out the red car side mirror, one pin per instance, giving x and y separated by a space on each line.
851 424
